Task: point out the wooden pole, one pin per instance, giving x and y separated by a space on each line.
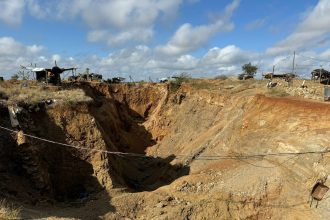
293 61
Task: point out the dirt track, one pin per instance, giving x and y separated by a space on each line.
195 139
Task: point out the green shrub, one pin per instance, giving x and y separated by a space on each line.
176 84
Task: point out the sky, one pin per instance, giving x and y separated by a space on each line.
161 38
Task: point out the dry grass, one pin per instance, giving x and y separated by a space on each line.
201 84
205 84
8 211
221 77
280 92
16 93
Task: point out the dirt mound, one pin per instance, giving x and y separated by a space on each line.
212 154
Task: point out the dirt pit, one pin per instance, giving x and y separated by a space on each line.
180 154
109 124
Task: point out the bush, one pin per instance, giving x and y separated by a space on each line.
176 84
249 69
15 77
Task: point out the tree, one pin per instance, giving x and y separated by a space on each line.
249 69
15 77
23 75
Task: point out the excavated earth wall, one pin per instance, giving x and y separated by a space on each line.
211 154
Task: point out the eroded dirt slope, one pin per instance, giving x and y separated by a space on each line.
196 140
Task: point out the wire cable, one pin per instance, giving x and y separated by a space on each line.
72 146
205 157
313 58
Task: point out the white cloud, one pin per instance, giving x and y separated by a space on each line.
13 54
188 37
187 62
227 60
143 62
42 59
34 49
11 11
256 24
56 58
36 9
114 22
312 30
132 35
140 61
10 47
118 22
97 35
228 55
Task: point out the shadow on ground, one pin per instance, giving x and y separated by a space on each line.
45 179
122 129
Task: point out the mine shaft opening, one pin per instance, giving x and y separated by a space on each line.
120 118
46 170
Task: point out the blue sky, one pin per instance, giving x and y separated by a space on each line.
158 38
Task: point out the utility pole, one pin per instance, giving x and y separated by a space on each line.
273 72
46 77
131 79
294 57
290 78
87 73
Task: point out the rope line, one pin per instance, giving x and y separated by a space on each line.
205 157
72 146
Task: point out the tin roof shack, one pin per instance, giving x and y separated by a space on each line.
52 75
320 74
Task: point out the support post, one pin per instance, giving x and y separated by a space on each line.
293 61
